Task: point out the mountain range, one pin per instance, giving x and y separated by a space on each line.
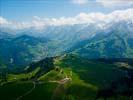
57 62
24 47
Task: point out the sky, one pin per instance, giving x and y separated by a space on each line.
22 10
24 13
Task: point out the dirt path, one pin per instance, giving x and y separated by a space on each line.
28 92
60 88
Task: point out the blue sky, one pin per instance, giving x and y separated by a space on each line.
38 14
24 10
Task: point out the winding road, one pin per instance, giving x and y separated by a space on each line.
60 88
28 92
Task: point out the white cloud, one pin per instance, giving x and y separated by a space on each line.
97 19
115 3
80 2
3 21
106 3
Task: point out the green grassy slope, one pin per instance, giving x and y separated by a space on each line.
72 78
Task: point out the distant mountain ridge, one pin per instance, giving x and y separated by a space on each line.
116 44
113 41
21 50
